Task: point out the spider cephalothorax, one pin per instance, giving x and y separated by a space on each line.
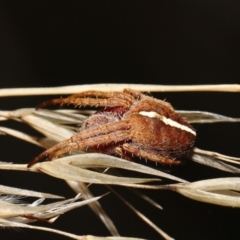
132 124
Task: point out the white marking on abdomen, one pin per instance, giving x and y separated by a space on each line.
167 121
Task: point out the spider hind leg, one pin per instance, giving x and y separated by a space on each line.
147 155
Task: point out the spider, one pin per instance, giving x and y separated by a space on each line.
131 124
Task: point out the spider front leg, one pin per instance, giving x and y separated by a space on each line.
130 148
94 98
97 142
100 94
111 132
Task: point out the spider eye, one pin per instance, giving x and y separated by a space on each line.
167 121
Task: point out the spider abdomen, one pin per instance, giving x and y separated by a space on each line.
155 135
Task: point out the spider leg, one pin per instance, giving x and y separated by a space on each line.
90 133
101 130
139 95
94 98
100 94
103 140
110 102
45 153
151 156
123 154
86 134
134 93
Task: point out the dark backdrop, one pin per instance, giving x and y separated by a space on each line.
52 43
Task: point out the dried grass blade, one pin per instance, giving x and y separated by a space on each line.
218 191
11 210
205 117
61 170
232 183
214 163
49 129
96 207
213 198
217 155
147 199
8 210
16 114
60 117
143 217
102 160
26 193
59 210
20 135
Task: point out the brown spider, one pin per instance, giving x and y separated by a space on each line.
132 124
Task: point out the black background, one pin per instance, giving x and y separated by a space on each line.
53 43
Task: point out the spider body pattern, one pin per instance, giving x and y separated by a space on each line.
131 124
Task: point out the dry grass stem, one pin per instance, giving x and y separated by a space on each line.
118 87
6 223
